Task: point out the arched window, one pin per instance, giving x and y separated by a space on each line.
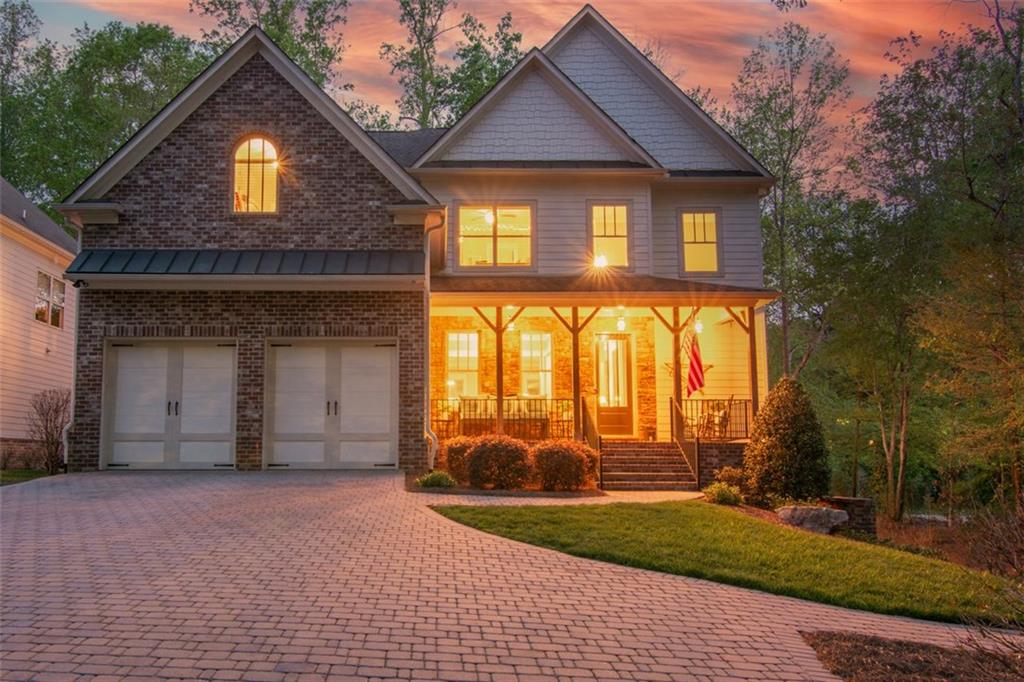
256 165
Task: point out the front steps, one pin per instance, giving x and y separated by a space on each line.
645 465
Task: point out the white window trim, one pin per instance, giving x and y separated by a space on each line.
550 371
630 232
49 300
719 244
277 178
494 268
448 358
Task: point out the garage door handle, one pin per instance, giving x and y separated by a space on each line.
175 408
168 408
335 408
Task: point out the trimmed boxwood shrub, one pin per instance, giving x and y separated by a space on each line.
733 476
787 455
499 462
563 464
454 457
723 493
436 479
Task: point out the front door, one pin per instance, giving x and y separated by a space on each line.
614 385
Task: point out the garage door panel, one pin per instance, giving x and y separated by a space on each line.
207 390
298 452
142 389
138 452
300 389
365 453
205 452
366 390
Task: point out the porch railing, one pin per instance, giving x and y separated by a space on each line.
525 418
712 419
687 443
591 436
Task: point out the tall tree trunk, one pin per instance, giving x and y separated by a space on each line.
780 231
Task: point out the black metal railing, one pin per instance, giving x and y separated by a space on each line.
591 436
687 444
526 418
713 419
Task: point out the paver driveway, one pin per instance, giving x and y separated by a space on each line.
296 575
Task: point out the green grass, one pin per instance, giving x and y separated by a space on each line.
705 541
9 476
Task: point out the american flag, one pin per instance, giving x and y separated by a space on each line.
695 377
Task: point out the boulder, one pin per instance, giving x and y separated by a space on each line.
815 519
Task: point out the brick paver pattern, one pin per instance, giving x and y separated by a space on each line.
314 575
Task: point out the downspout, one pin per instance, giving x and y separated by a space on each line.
74 366
428 432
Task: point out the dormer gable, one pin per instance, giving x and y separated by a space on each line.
641 99
536 113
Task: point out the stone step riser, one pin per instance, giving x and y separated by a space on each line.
647 486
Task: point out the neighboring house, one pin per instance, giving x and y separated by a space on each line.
37 315
270 286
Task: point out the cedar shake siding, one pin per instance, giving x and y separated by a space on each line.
329 195
251 319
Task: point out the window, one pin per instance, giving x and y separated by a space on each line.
700 241
49 300
535 370
256 165
611 235
463 364
495 235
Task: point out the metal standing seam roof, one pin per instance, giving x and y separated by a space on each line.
216 262
606 282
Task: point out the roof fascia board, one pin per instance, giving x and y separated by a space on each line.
199 90
469 170
538 60
600 298
654 76
30 239
251 282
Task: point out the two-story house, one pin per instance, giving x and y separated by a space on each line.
267 285
37 318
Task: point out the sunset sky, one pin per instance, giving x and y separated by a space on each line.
706 39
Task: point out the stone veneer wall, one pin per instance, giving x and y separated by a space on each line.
713 455
640 330
251 318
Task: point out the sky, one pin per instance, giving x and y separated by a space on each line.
705 40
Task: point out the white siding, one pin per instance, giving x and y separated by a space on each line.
533 121
34 356
657 125
561 220
740 232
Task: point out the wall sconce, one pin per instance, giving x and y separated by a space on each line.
698 327
511 327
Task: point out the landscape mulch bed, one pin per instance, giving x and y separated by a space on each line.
410 485
862 658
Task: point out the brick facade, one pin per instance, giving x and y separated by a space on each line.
713 455
250 318
180 196
19 453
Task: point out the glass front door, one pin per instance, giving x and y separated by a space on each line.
614 367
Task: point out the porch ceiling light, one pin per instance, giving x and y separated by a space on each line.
620 324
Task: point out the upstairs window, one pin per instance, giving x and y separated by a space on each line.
495 236
611 234
256 165
700 241
535 356
463 364
49 300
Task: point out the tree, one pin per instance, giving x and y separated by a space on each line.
18 25
51 412
424 80
790 88
787 456
309 31
481 61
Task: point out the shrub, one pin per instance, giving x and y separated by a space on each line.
733 476
563 464
787 455
436 479
455 457
723 493
51 411
499 462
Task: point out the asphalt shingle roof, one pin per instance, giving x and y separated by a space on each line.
18 208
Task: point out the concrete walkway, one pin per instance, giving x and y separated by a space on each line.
308 575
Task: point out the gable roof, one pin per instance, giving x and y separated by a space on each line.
16 207
253 41
405 146
590 17
537 61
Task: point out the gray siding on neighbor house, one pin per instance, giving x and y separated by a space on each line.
532 120
561 221
740 232
657 125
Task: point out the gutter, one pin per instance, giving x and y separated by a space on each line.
427 430
64 434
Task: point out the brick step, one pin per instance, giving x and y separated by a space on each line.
652 471
635 485
648 476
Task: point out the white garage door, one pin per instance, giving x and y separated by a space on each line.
332 405
170 405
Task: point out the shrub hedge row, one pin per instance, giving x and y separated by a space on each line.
506 463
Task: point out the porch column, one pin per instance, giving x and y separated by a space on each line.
575 327
499 369
677 349
751 335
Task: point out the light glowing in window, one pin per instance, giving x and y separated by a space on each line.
495 235
535 372
463 364
611 235
700 242
256 167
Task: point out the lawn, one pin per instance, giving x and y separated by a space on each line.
706 541
9 476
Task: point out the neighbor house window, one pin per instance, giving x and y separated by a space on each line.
463 364
495 235
700 241
535 370
49 300
256 165
609 224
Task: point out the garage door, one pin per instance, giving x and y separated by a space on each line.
170 405
332 405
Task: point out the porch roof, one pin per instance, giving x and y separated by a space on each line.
590 288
